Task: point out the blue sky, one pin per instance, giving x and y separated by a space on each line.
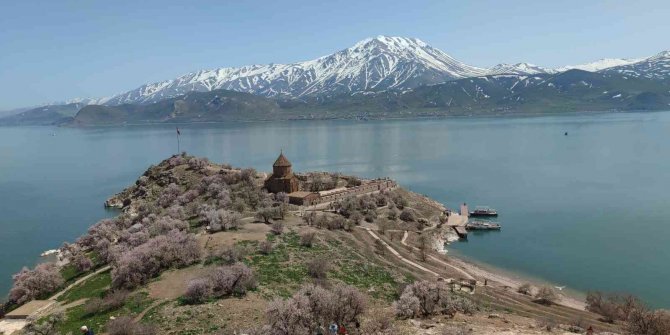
53 50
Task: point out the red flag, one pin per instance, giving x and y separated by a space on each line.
178 132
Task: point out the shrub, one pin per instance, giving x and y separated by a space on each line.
380 248
407 306
232 255
110 302
348 304
136 266
282 197
407 215
197 164
378 323
165 224
169 195
330 222
46 326
399 201
221 219
235 279
33 284
188 197
309 218
546 296
547 323
288 317
81 262
462 305
266 214
176 212
248 175
526 289
313 306
317 268
425 298
198 291
265 247
644 322
307 239
277 228
125 325
356 217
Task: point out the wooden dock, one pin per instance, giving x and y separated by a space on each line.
461 231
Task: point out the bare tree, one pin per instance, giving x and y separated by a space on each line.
646 322
266 214
424 243
546 296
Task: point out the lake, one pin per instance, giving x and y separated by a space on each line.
589 210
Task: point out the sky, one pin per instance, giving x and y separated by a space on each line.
54 50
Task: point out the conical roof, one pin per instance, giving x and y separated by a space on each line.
281 161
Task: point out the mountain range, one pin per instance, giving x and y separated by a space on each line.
380 66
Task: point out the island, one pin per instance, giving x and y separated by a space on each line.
205 248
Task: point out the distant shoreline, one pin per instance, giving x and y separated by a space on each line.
395 118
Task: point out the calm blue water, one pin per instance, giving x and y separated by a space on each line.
588 210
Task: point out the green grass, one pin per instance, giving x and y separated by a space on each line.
284 270
95 286
368 277
76 316
69 273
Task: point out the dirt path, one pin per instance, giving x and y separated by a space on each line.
461 271
397 254
79 281
139 317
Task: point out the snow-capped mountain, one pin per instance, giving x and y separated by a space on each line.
600 64
518 68
374 64
654 67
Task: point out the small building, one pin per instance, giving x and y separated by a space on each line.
282 178
303 198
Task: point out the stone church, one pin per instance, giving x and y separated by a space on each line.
282 178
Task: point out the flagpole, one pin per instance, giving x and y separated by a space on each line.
178 143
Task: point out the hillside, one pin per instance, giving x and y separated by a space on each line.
42 116
215 106
199 247
509 94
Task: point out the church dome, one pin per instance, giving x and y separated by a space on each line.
281 161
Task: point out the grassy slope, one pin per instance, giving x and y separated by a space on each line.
352 257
